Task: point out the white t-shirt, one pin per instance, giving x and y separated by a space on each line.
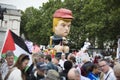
15 74
61 62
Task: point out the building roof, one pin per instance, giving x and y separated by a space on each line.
11 10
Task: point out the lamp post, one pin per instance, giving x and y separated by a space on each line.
2 10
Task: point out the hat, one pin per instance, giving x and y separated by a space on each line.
41 66
63 13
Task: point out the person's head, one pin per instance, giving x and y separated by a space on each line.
41 68
22 61
63 56
104 65
9 58
55 60
62 21
48 58
86 68
95 69
68 65
117 71
42 57
73 74
72 59
52 75
36 57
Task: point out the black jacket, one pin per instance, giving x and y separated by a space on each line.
35 76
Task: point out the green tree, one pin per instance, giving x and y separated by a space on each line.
97 20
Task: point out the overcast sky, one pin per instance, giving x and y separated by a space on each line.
23 4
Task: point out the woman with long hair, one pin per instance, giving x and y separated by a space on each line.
18 70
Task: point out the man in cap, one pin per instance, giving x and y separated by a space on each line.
8 64
61 27
39 73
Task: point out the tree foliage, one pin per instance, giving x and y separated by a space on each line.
97 20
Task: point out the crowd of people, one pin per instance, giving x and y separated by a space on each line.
44 67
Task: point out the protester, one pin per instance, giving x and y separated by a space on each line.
67 66
56 62
74 74
78 67
117 71
107 70
94 74
86 68
52 75
73 60
8 64
62 60
18 70
35 59
39 74
96 59
50 65
36 48
41 57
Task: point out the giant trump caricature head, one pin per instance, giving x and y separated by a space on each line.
62 21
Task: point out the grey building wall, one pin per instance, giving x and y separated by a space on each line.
2 37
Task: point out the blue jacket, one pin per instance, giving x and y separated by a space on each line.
93 76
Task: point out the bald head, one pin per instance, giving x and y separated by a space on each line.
73 74
117 70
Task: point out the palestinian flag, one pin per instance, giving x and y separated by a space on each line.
14 43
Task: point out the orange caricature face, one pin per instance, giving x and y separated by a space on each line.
63 28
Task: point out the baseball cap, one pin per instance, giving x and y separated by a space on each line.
63 13
41 66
